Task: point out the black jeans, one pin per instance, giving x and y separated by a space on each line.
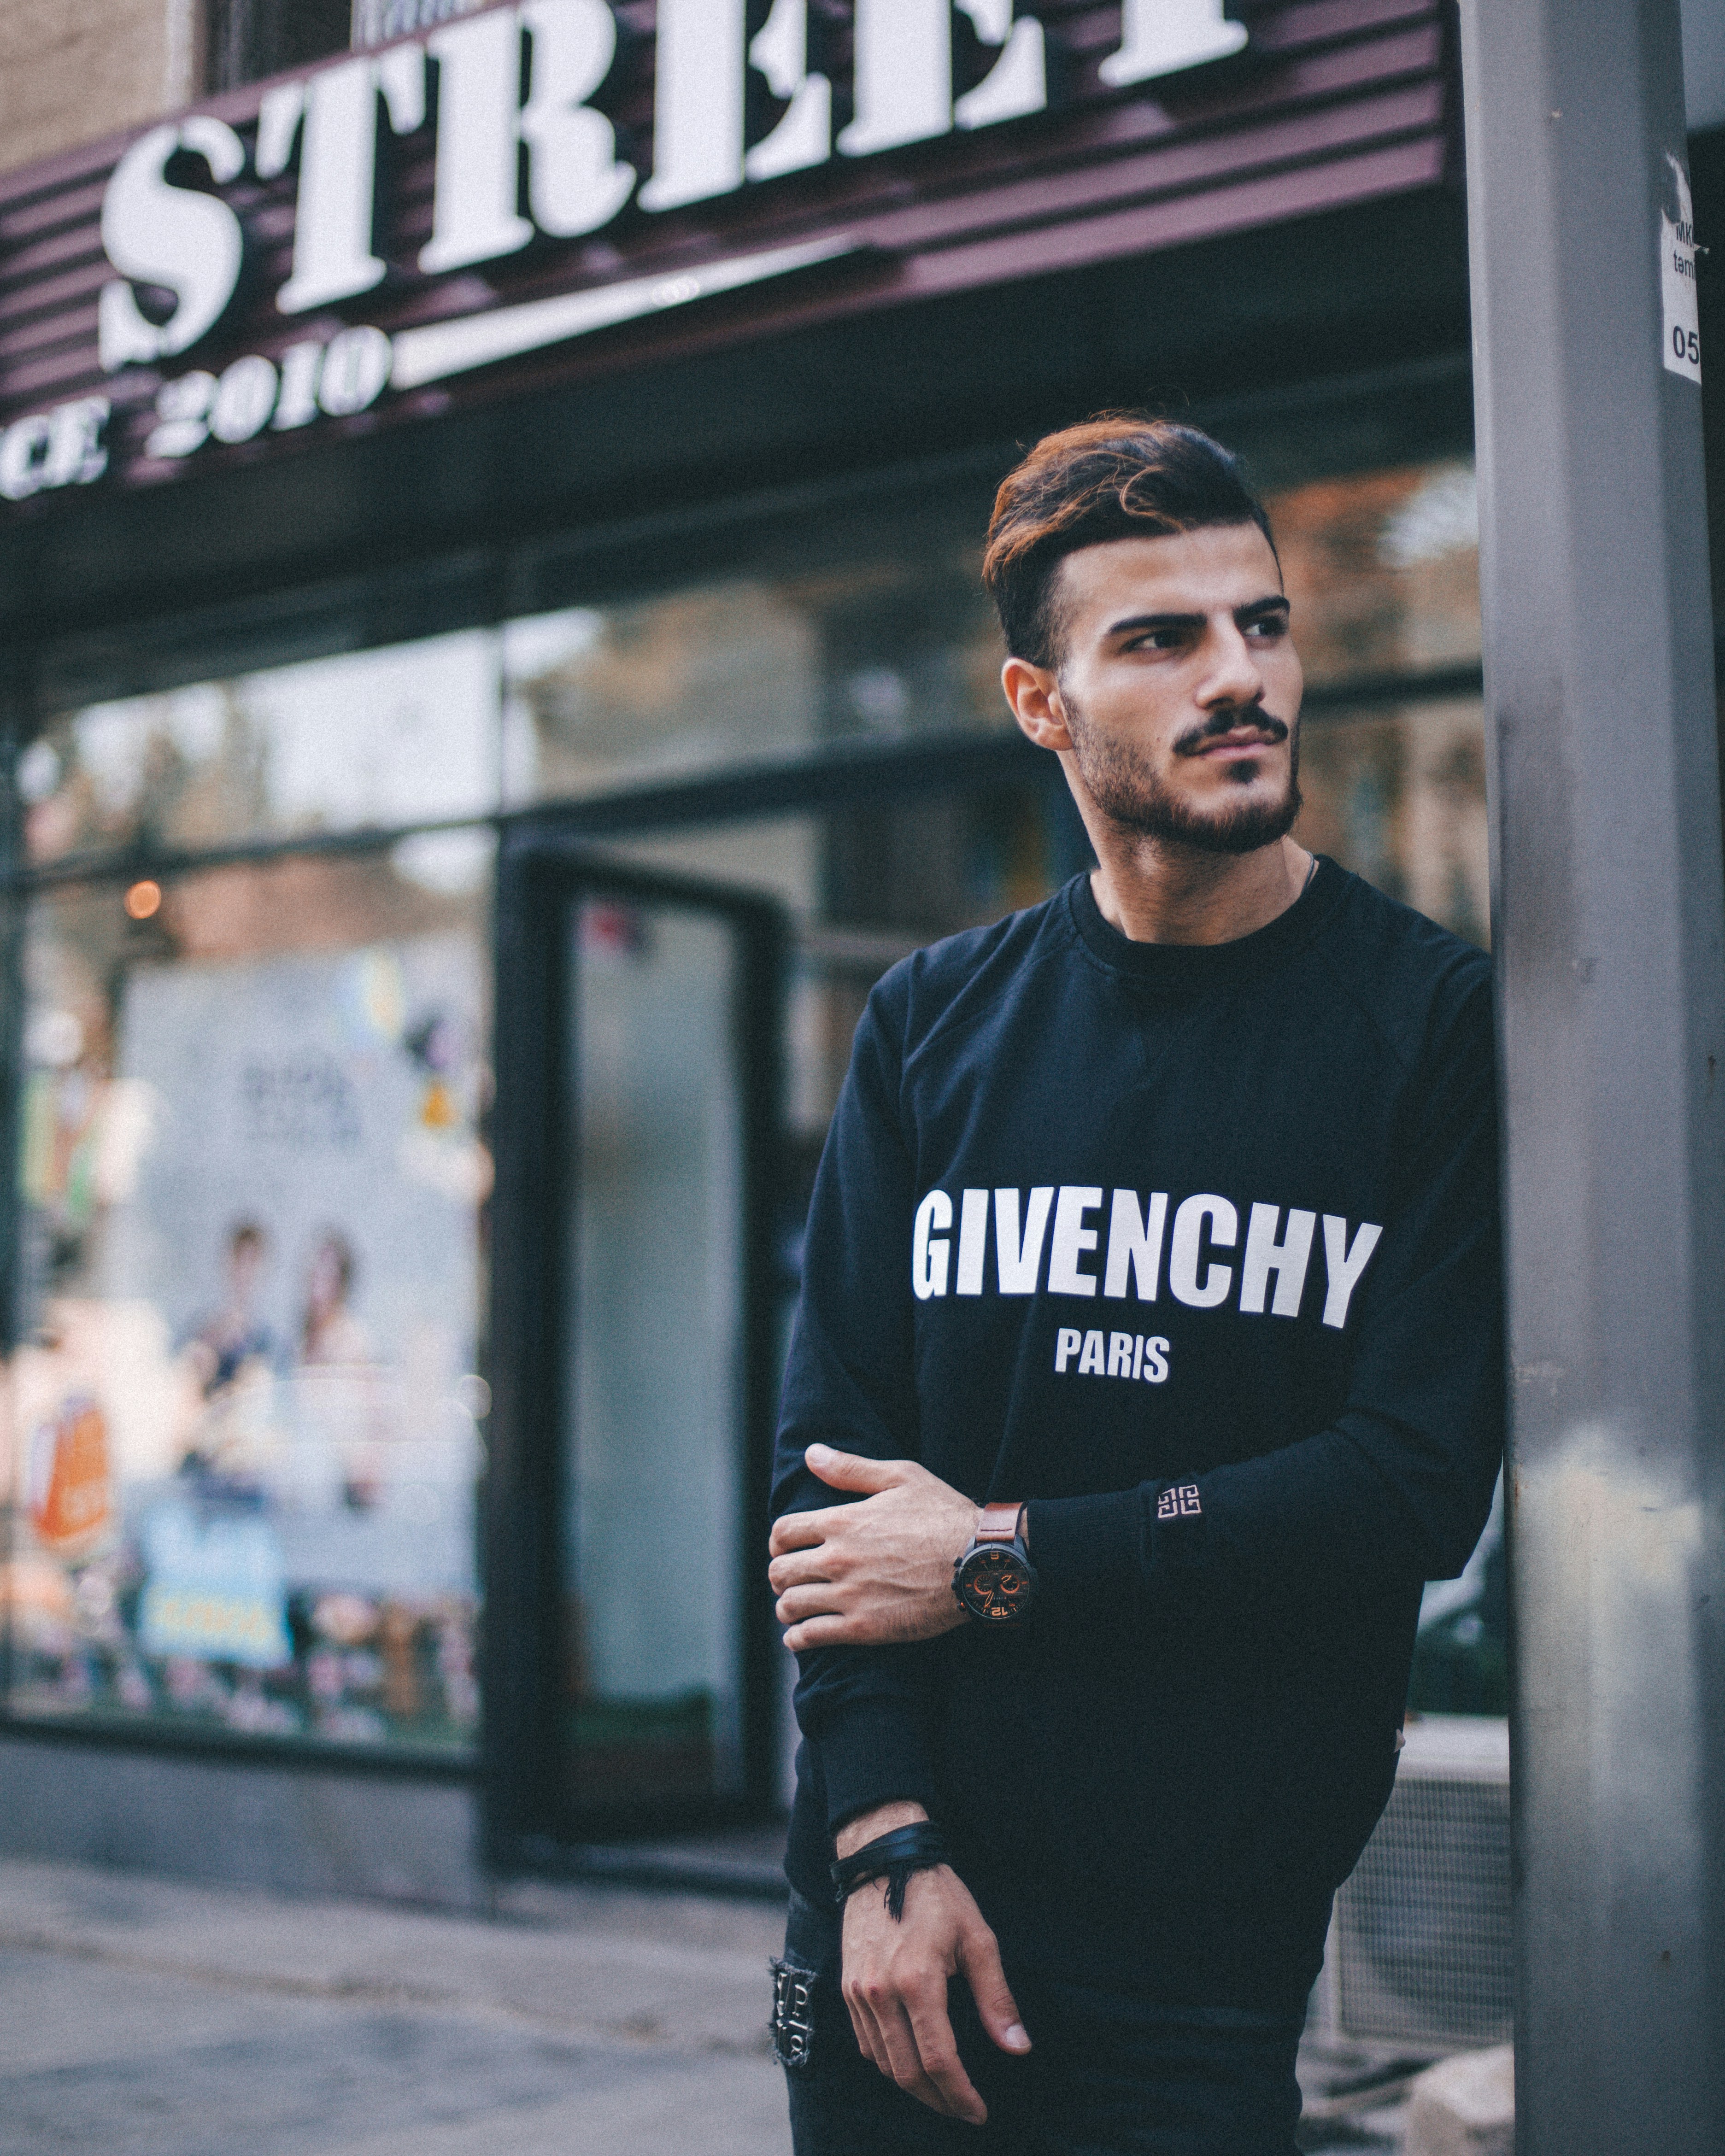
1109 2073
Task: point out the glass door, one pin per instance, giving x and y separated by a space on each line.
633 1290
653 1390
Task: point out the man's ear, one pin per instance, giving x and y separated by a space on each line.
1034 693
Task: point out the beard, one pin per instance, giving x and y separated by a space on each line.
1137 800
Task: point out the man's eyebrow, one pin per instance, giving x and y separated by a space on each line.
1137 621
1253 610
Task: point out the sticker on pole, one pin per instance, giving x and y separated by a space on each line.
1677 279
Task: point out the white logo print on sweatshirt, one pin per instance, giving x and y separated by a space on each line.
1132 1257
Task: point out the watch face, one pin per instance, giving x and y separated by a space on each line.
995 1584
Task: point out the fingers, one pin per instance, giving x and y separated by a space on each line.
803 1591
841 1470
893 2039
796 1568
979 1959
823 1599
904 2061
951 2089
883 2037
868 1626
830 1632
795 1530
862 2024
853 1471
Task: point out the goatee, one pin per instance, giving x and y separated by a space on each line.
1132 795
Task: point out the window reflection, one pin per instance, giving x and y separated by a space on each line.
1382 568
877 649
654 1424
243 1420
399 735
1398 795
895 641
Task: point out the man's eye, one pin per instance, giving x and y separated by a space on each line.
1272 626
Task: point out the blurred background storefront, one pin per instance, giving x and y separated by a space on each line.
455 820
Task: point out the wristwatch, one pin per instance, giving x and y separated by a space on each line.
994 1578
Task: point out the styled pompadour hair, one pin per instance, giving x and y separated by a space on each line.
1121 476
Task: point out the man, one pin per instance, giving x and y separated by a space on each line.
1162 1217
229 1341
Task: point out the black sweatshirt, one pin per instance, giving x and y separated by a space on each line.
1194 1248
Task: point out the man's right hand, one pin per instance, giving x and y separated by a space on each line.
895 1973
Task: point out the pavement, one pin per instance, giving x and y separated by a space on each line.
1355 2096
141 2016
144 2017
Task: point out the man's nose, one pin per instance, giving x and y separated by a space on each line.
1233 676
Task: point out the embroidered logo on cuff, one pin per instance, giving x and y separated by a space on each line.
1179 1502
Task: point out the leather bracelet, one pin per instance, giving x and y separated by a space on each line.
920 1846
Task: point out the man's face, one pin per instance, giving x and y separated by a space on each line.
1179 688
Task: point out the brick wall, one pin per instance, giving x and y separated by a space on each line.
74 70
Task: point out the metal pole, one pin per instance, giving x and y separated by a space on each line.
1609 926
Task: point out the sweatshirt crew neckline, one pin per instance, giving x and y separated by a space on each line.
1191 968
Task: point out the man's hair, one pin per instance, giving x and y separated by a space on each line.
1121 476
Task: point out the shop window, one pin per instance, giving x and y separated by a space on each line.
250 38
403 735
1382 568
884 649
883 639
1384 571
1397 794
244 1411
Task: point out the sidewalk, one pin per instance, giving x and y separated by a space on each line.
148 2018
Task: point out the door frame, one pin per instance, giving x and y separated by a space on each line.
532 1816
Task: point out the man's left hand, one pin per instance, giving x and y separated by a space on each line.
876 1573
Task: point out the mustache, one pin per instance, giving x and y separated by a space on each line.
1227 719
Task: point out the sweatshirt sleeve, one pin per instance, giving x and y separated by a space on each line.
1400 1485
850 1382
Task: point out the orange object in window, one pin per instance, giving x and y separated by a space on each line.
71 1491
437 1110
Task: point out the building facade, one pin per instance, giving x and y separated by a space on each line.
491 503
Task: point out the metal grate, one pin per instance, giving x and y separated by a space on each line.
246 40
1419 1948
375 21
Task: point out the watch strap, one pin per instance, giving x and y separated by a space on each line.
999 1523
